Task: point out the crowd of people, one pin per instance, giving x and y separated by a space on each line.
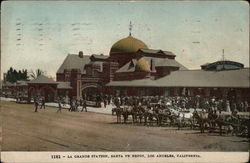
177 102
73 103
185 103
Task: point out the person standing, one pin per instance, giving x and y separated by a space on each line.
17 97
233 106
81 102
36 103
228 108
240 106
224 105
105 101
42 103
246 106
119 101
70 104
84 105
77 104
59 106
98 100
116 101
220 105
109 99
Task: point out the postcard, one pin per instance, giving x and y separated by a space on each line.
124 81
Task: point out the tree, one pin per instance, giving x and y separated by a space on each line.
34 75
24 74
14 75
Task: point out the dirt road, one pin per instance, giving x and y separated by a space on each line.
46 130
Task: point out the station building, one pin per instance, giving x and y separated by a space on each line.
131 68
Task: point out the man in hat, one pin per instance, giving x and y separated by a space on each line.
42 103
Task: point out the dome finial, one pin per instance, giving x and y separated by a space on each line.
223 56
130 28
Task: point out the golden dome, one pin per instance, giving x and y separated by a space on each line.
142 65
128 44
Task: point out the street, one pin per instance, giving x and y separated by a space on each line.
46 130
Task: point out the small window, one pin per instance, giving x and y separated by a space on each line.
142 91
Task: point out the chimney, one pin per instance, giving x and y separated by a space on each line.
152 65
80 54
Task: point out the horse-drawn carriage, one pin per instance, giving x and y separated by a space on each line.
162 115
92 103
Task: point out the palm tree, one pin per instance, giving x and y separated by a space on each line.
34 75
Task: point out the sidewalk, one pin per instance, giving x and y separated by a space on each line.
107 110
7 99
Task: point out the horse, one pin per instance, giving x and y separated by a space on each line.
229 121
150 114
127 110
136 113
167 116
202 118
174 117
140 112
185 119
118 111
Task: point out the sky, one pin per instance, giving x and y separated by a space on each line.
37 34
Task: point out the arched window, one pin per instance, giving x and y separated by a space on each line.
166 92
185 92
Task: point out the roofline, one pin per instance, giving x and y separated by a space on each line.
78 54
159 50
43 83
123 52
177 86
214 70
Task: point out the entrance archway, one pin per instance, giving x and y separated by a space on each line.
49 93
91 92
32 93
